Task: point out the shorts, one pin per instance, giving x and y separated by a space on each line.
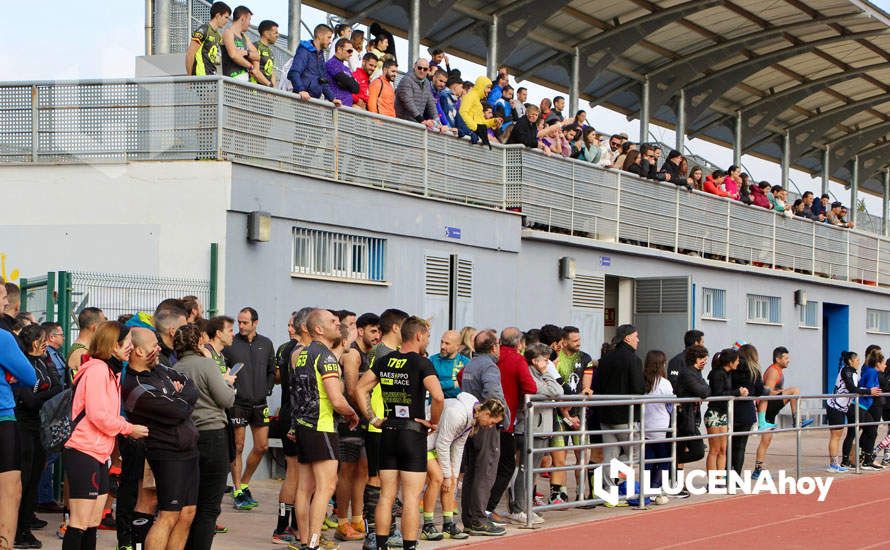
87 477
372 451
315 446
772 409
176 482
560 441
835 417
403 450
256 416
11 445
351 444
288 446
716 419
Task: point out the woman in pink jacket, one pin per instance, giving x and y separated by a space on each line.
732 181
97 403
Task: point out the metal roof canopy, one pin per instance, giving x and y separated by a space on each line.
749 69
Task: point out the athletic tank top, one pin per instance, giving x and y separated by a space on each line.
781 383
229 67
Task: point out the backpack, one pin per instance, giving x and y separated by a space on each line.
56 424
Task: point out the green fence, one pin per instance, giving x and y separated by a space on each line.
39 296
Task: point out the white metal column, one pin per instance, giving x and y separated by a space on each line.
413 32
826 169
491 63
737 141
885 211
786 159
575 87
644 110
294 7
681 120
162 27
854 189
149 26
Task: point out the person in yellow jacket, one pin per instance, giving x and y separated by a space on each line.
472 113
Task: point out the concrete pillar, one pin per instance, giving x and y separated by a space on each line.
149 26
737 141
644 110
413 32
854 189
162 27
680 142
826 169
491 63
786 159
885 211
575 85
293 24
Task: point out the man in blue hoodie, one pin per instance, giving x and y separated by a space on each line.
308 73
14 369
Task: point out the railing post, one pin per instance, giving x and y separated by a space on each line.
877 261
585 453
730 420
529 459
572 212
847 256
504 172
774 240
214 280
35 122
856 439
728 227
677 220
335 122
813 251
219 118
674 443
618 207
641 505
797 432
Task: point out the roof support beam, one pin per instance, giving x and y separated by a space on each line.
874 158
681 121
705 91
737 142
885 210
644 110
575 84
826 169
294 8
363 12
491 59
843 149
464 27
809 130
414 34
786 159
431 13
854 190
532 15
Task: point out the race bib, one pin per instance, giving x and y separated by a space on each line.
402 411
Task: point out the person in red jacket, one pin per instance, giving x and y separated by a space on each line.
714 182
758 195
517 382
362 75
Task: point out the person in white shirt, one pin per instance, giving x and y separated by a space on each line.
657 417
610 151
358 45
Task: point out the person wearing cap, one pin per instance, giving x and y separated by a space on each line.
620 372
671 170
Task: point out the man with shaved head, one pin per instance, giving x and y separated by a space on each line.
449 362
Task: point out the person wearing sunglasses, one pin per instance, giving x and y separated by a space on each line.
343 84
414 96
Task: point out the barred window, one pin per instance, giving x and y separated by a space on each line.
764 309
808 315
713 303
877 320
340 255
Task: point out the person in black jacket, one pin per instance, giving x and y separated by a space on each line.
670 170
747 376
620 372
884 377
164 399
691 383
676 364
716 419
525 131
28 401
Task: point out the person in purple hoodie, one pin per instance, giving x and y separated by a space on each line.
343 84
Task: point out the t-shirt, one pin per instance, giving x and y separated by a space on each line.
218 358
267 62
401 378
207 56
379 351
312 406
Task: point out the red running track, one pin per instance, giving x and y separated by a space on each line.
854 515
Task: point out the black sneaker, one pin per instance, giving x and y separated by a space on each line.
37 523
485 529
847 464
684 493
26 539
453 532
429 532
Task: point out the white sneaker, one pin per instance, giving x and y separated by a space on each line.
661 499
519 518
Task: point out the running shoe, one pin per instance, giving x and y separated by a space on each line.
26 539
661 499
395 538
836 469
847 464
330 522
621 504
36 523
521 519
347 532
807 422
485 529
755 475
557 499
325 544
221 530
297 546
370 542
453 532
242 503
429 532
496 518
886 461
539 500
108 523
284 537
865 465
253 503
684 493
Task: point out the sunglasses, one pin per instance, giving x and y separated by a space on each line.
422 68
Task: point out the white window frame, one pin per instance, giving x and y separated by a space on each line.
759 310
335 256
804 313
877 321
710 297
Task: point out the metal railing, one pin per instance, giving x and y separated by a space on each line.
637 441
197 118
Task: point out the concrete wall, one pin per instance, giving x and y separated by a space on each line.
156 218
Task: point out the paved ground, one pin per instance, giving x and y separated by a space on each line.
253 529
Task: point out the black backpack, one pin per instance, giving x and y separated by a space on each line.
56 424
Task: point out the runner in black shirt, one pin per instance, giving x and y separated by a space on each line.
404 377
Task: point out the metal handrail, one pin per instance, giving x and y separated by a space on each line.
637 428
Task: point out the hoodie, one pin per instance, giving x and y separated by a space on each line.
13 366
447 107
340 77
455 425
759 198
471 105
98 393
308 73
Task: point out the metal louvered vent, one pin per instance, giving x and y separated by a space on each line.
437 275
464 278
589 291
662 295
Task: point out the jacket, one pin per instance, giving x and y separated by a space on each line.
99 393
745 414
482 379
447 370
151 399
714 189
548 387
720 382
731 187
29 400
868 379
338 74
759 198
257 379
674 366
364 82
214 394
620 372
649 170
307 72
516 380
13 363
847 382
382 97
669 168
414 99
524 133
471 106
455 425
690 383
447 107
504 110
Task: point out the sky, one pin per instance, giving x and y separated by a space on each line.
103 42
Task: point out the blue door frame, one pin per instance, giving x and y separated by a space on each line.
835 339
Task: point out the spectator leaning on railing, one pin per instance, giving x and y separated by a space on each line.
471 110
362 75
343 84
381 94
268 35
414 96
307 73
448 101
